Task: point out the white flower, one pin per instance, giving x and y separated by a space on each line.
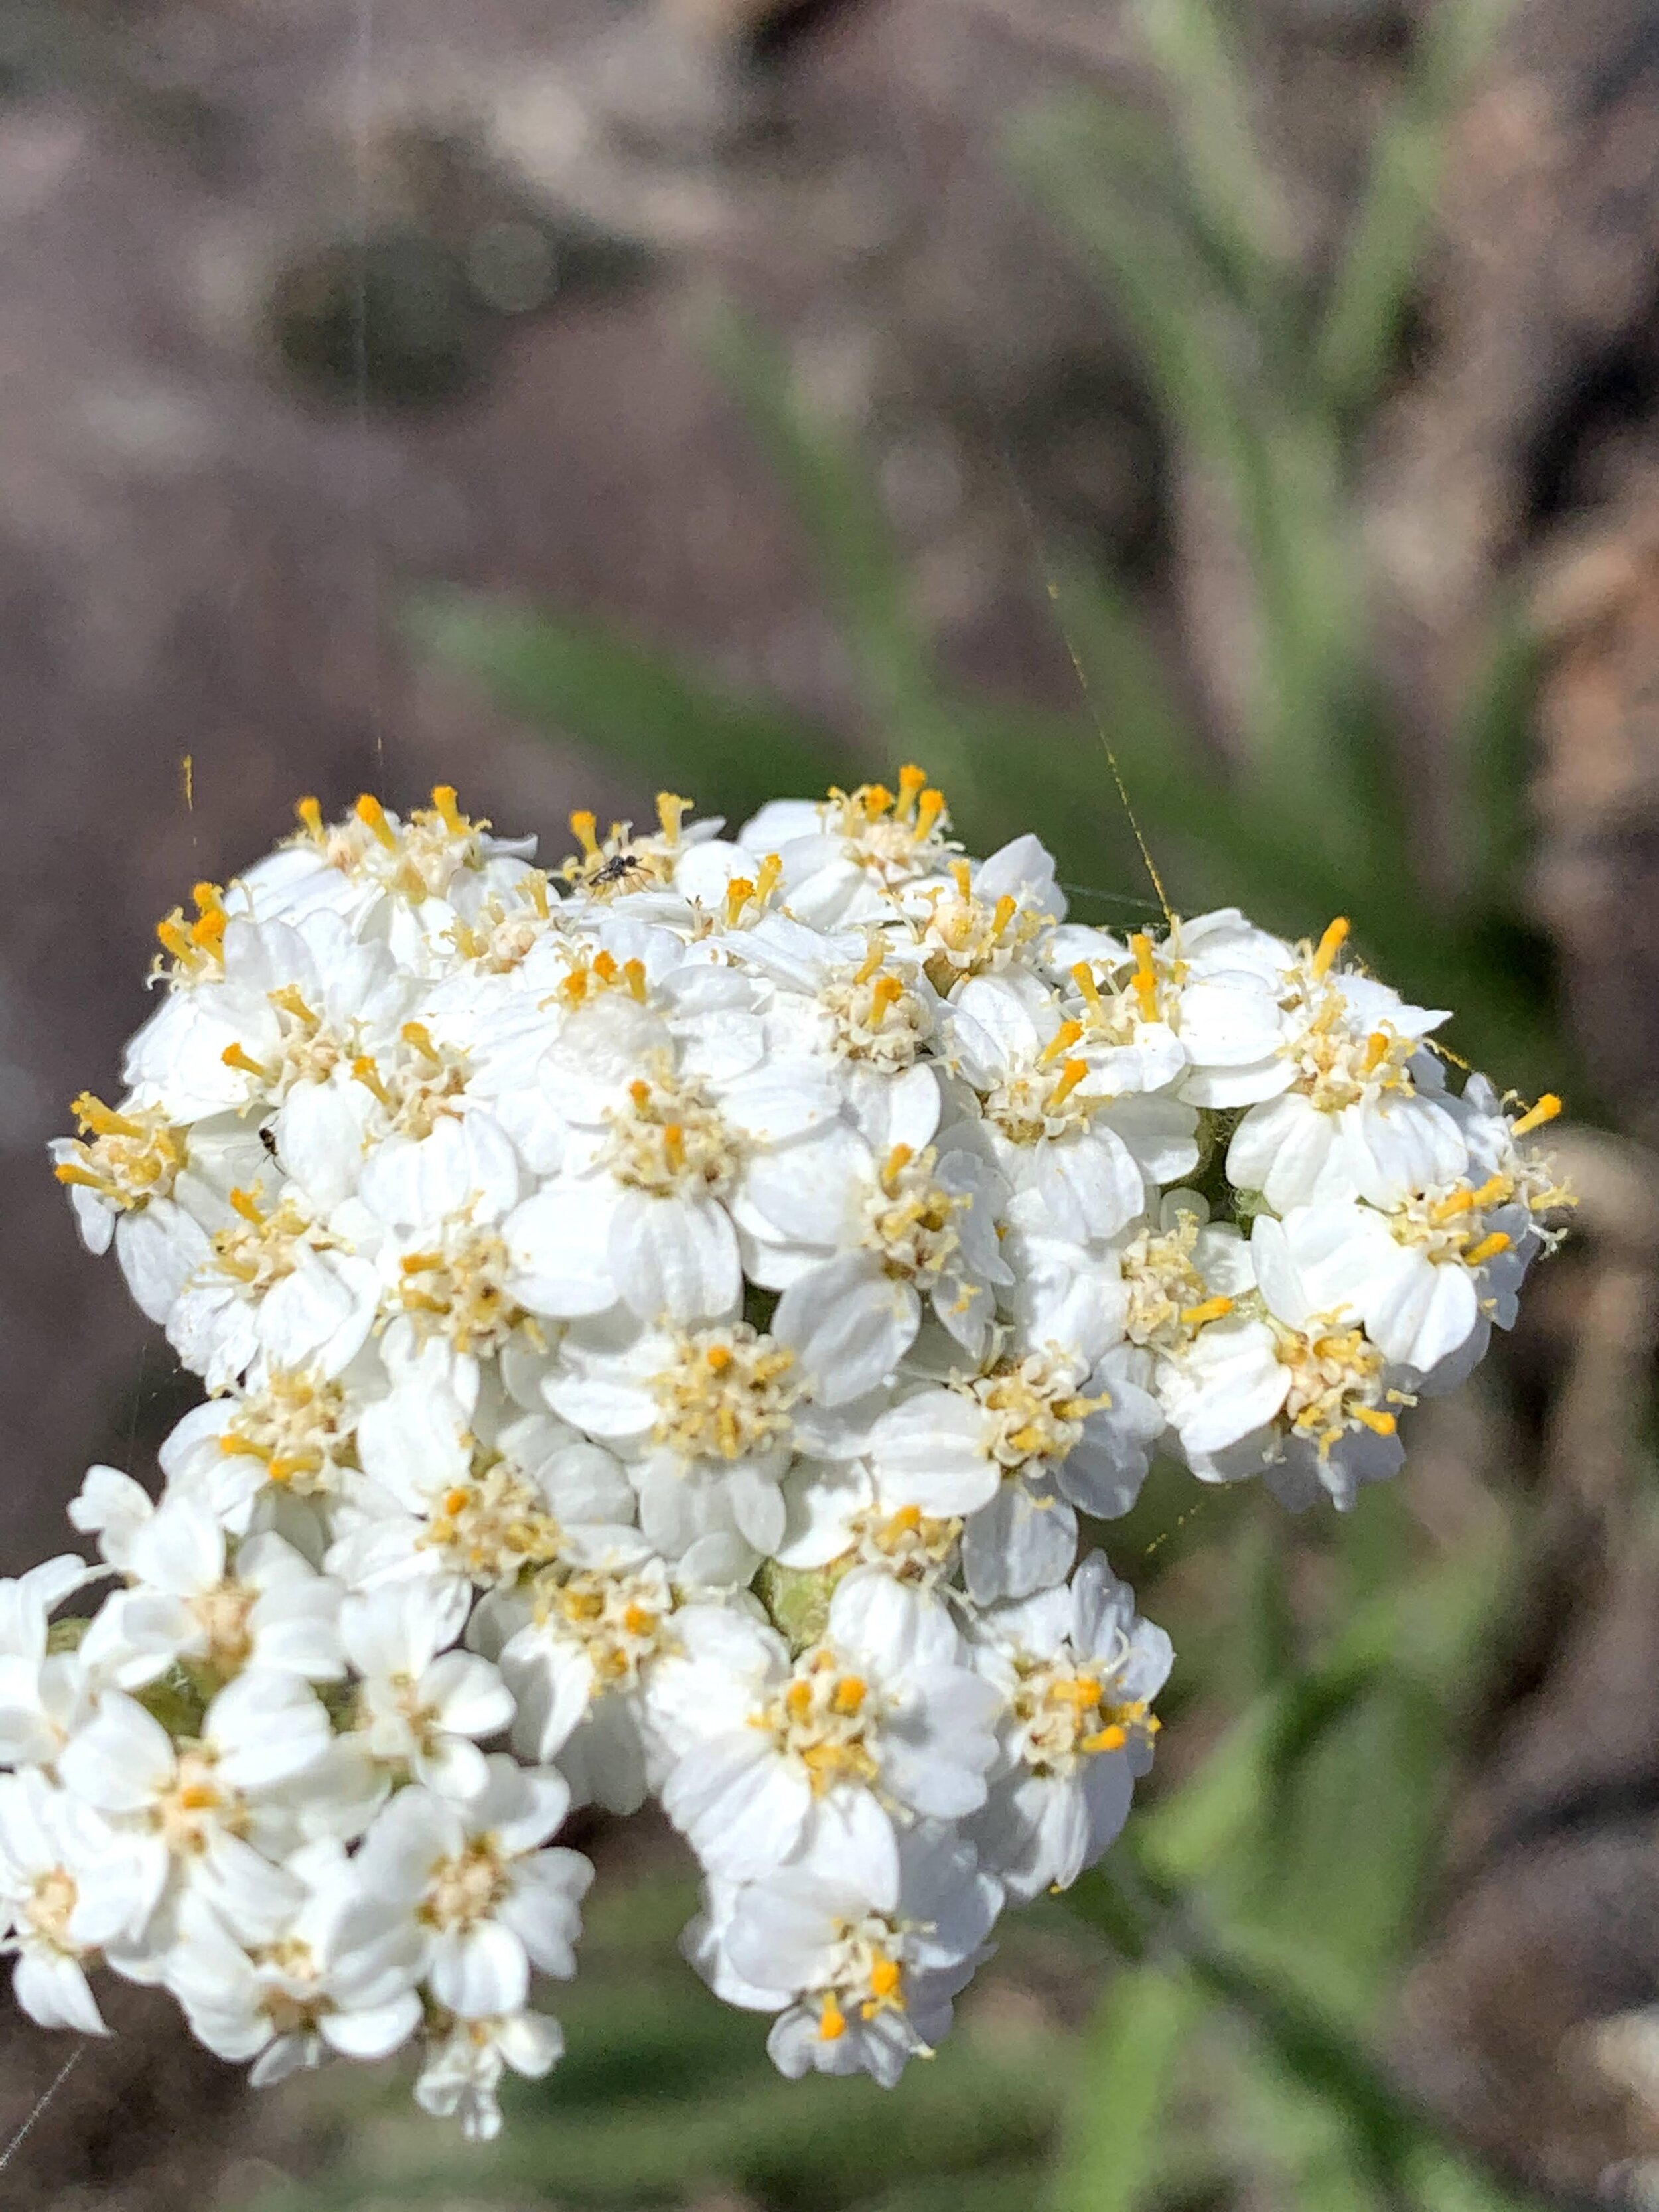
277 1034
266 1608
66 1886
338 1977
704 1417
1354 1119
577 1650
42 1691
436 1504
843 861
275 1283
880 1712
465 2060
1068 1123
857 1236
155 1187
195 1814
273 1455
664 1124
1078 1669
1013 1453
860 1975
474 1878
405 884
1335 1422
417 1706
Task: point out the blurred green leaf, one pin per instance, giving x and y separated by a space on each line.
1355 346
1114 2143
640 706
836 501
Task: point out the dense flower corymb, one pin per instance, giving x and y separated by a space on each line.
665 1321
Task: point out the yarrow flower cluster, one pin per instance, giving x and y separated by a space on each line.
666 1322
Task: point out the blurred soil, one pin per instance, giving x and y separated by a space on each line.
218 481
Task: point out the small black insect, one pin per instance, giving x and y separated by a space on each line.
616 870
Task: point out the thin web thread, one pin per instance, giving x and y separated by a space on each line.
44 2098
999 444
363 112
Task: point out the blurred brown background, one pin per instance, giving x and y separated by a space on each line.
304 305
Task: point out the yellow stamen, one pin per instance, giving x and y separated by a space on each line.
1454 1203
1379 1423
719 1357
364 1071
872 960
208 898
370 812
1144 982
885 992
1211 1309
536 884
245 1203
1487 1248
1377 1050
1067 1035
639 1092
72 1171
582 826
739 892
1084 977
1004 912
771 874
173 939
850 1693
913 781
673 1145
670 809
634 977
604 967
1546 1110
877 800
963 876
895 1164
1112 1737
885 1975
1493 1192
1070 1076
832 2021
931 805
290 1002
311 816
1336 937
418 1034
239 1057
92 1114
443 799
209 932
